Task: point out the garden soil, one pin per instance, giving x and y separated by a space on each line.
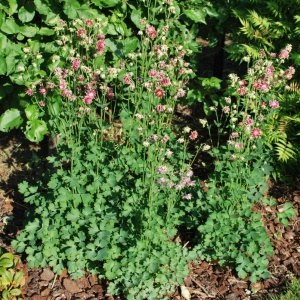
20 160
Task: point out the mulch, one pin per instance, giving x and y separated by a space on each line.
207 280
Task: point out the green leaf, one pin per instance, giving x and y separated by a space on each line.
211 12
35 130
27 12
10 119
11 63
13 6
130 45
46 31
10 26
106 3
15 292
197 16
136 17
32 112
28 31
3 66
41 7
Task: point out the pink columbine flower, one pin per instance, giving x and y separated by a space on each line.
238 145
100 46
165 82
88 23
160 108
284 54
194 135
264 87
76 64
187 197
127 78
162 170
42 103
152 73
43 90
242 91
248 122
234 135
165 139
274 104
151 32
80 78
81 32
87 100
159 93
256 133
29 92
226 110
269 71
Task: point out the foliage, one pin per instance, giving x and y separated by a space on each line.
122 182
230 231
292 291
11 278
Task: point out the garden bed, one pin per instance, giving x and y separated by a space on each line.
21 160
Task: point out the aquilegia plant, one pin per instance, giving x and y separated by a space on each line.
232 232
121 182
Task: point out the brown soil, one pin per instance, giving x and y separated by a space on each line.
21 160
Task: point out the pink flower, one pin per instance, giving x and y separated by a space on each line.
242 83
42 103
274 104
162 170
127 78
264 87
248 122
269 71
160 108
91 94
80 78
76 64
165 139
165 82
262 53
62 85
81 32
273 55
43 90
291 70
151 32
256 133
89 23
284 54
187 197
226 110
234 135
242 91
87 100
238 146
159 93
29 92
194 135
100 46
152 73
50 85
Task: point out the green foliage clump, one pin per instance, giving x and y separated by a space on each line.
11 278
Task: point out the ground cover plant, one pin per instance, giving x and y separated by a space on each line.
121 186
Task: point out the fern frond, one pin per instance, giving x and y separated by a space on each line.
294 87
285 151
255 53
